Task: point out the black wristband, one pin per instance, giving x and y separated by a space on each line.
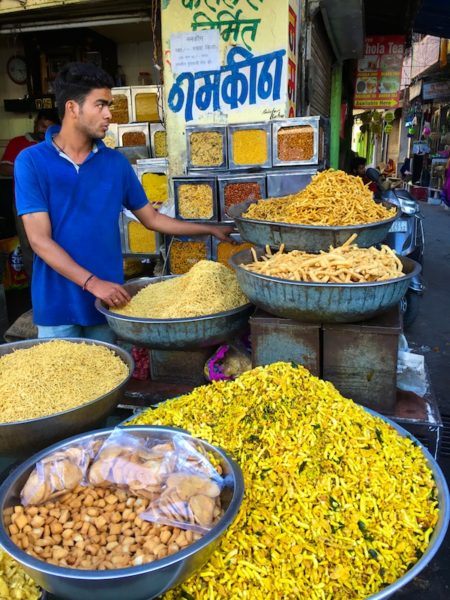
87 281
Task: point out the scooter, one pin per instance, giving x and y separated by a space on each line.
406 237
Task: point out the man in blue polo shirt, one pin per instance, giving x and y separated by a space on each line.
70 190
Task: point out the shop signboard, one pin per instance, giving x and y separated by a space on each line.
436 90
379 72
244 70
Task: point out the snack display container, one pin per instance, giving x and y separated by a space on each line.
145 103
134 153
205 129
282 182
317 126
154 167
111 139
217 244
173 242
155 130
257 180
121 107
178 182
265 160
128 223
133 134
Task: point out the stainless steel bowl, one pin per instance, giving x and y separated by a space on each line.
440 530
135 583
309 238
175 334
21 438
321 302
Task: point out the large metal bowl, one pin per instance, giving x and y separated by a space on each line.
135 583
321 302
440 530
175 334
309 238
21 438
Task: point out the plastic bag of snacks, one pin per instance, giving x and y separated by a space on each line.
176 477
57 474
14 276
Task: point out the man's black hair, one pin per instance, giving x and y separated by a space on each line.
76 80
357 161
48 114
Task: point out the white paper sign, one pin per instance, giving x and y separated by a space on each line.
194 51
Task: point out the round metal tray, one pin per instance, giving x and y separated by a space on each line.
309 238
440 530
149 580
21 438
321 302
175 334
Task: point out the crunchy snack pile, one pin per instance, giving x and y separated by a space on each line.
337 504
185 296
333 198
15 584
344 264
55 376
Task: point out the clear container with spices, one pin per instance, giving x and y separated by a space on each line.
184 252
111 139
153 175
137 239
249 145
133 134
299 141
223 251
235 189
145 101
195 198
158 140
121 106
206 147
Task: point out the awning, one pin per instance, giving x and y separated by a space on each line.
433 18
344 23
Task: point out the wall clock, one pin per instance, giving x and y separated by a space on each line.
16 67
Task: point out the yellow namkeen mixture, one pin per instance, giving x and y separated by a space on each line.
337 504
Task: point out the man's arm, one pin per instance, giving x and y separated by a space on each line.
152 219
39 232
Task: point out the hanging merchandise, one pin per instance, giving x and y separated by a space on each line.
389 116
411 132
388 128
426 132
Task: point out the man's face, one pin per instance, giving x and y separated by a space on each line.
94 116
41 127
361 170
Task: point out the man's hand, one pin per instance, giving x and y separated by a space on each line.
113 294
222 233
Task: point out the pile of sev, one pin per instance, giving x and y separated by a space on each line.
337 504
344 264
207 288
333 198
15 584
55 376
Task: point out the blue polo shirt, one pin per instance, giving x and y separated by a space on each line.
84 203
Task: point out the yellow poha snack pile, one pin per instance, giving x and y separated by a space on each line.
55 376
337 504
333 198
15 584
208 288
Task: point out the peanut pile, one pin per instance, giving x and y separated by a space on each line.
94 528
